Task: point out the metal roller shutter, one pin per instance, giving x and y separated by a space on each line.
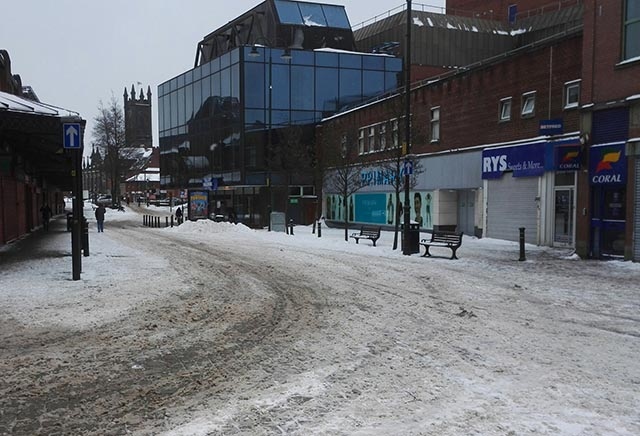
511 204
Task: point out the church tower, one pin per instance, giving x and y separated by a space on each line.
137 118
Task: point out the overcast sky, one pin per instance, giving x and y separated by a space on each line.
76 53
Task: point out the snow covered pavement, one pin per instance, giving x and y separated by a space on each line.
217 329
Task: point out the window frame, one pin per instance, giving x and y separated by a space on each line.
361 141
395 133
382 136
434 123
626 24
528 97
504 102
570 85
371 139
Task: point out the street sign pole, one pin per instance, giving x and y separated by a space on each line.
76 235
72 140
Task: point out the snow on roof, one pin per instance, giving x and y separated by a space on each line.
336 50
14 103
145 177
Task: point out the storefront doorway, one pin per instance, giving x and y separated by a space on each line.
608 222
564 216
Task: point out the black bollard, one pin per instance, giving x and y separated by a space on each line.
171 220
522 256
166 221
291 227
319 229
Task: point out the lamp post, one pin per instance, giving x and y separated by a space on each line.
406 249
286 55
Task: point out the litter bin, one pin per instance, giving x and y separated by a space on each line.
414 237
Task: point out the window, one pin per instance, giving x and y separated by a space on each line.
395 136
528 104
372 139
571 94
631 31
435 124
505 109
360 141
382 136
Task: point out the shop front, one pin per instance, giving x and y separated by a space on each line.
608 179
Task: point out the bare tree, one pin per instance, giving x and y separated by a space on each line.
342 166
394 159
109 138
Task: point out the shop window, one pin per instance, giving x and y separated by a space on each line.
571 94
435 124
528 104
505 109
360 141
631 31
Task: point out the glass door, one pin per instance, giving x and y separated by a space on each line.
564 217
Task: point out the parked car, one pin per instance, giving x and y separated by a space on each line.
104 200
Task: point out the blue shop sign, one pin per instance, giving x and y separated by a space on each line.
563 155
551 127
523 161
608 164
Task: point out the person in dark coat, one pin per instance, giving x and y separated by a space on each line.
100 211
45 210
179 215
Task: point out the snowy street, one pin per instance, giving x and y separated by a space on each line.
216 329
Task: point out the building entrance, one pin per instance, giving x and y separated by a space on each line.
564 217
608 222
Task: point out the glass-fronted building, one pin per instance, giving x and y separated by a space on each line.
219 120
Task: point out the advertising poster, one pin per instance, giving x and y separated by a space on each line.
198 205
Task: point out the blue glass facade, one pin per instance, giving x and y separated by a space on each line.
216 120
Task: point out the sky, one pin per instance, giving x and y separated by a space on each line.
76 53
217 329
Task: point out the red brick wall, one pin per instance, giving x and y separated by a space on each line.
469 104
472 101
603 81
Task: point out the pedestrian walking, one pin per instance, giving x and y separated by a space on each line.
45 210
179 215
100 211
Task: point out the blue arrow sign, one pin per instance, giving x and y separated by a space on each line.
71 134
408 167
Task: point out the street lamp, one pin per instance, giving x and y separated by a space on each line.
286 55
406 249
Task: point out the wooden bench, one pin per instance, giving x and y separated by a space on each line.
367 232
449 240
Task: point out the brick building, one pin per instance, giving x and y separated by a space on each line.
515 139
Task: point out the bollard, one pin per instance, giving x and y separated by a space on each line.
166 221
171 220
522 256
319 229
291 227
144 220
